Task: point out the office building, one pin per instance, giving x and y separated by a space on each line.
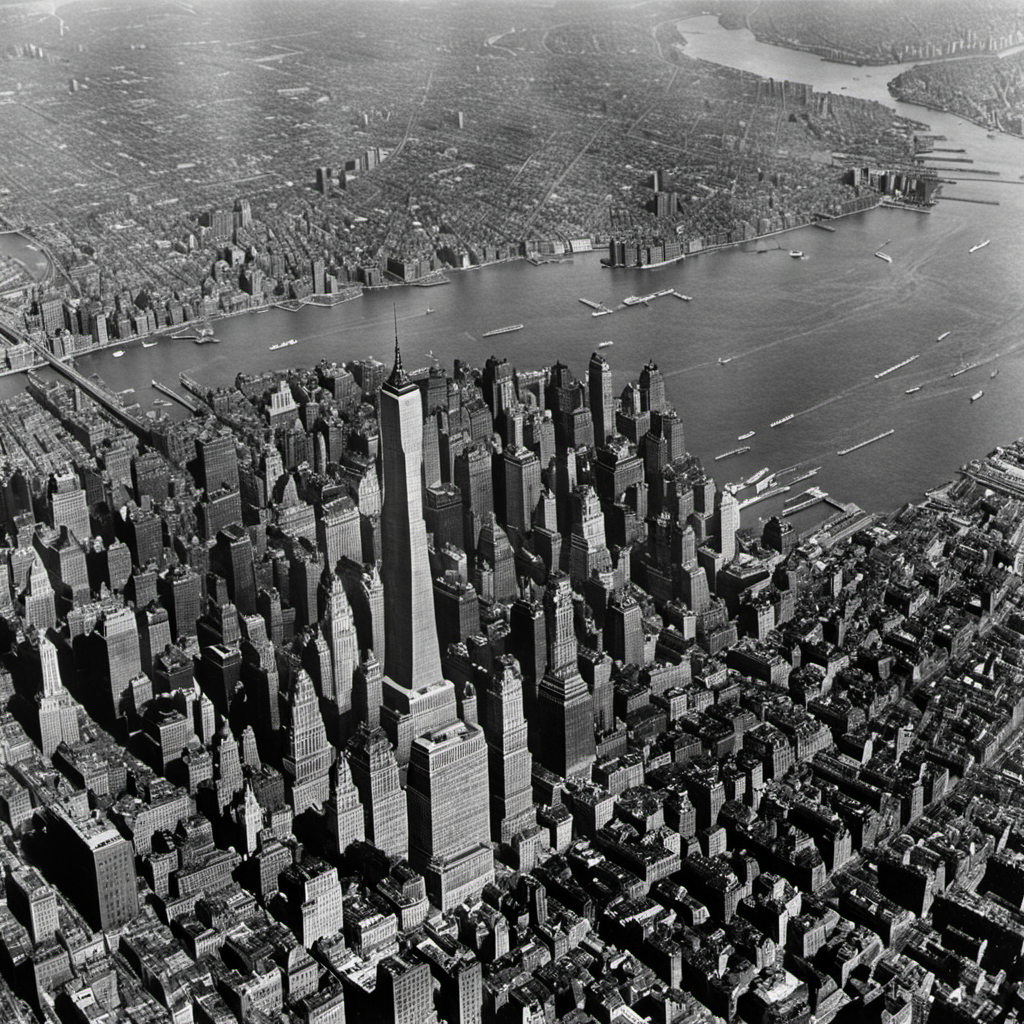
449 826
375 774
602 405
308 755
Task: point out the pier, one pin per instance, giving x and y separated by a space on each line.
180 399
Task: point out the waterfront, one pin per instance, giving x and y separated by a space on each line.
802 336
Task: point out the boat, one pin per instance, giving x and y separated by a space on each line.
815 494
605 344
994 373
896 366
980 245
977 395
685 298
864 444
805 476
148 344
785 419
749 433
944 334
727 359
127 391
796 254
764 495
758 476
206 339
964 369
602 312
884 256
911 391
733 451
119 353
503 330
206 331
428 311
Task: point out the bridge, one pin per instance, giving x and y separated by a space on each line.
109 401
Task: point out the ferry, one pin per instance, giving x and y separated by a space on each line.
503 330
284 344
797 254
864 444
758 476
749 433
119 353
785 419
805 476
727 359
896 366
980 245
977 395
775 491
148 344
605 344
911 391
884 256
944 334
964 369
733 451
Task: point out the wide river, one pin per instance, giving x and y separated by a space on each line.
803 337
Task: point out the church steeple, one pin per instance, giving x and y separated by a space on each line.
398 379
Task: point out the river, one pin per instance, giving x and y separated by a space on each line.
803 337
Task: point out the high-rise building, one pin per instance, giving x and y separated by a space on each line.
346 820
58 711
40 605
181 593
118 641
496 577
652 388
500 707
236 563
602 406
412 658
588 550
68 506
340 632
404 993
100 865
449 828
728 524
521 489
308 755
217 462
375 774
338 532
312 893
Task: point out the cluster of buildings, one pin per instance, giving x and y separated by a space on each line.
425 162
376 695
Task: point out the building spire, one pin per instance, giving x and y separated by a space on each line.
398 378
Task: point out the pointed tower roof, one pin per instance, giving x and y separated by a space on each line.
398 381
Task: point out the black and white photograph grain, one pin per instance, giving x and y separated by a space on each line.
387 636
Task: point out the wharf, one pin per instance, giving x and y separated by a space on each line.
180 399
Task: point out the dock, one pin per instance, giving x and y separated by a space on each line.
179 398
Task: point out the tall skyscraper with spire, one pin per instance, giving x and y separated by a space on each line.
416 696
412 657
58 712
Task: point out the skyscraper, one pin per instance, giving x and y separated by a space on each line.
375 774
308 755
412 658
565 707
340 632
500 705
58 712
602 408
449 829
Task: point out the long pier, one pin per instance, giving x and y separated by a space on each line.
179 398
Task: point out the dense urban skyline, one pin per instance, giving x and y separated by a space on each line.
360 694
